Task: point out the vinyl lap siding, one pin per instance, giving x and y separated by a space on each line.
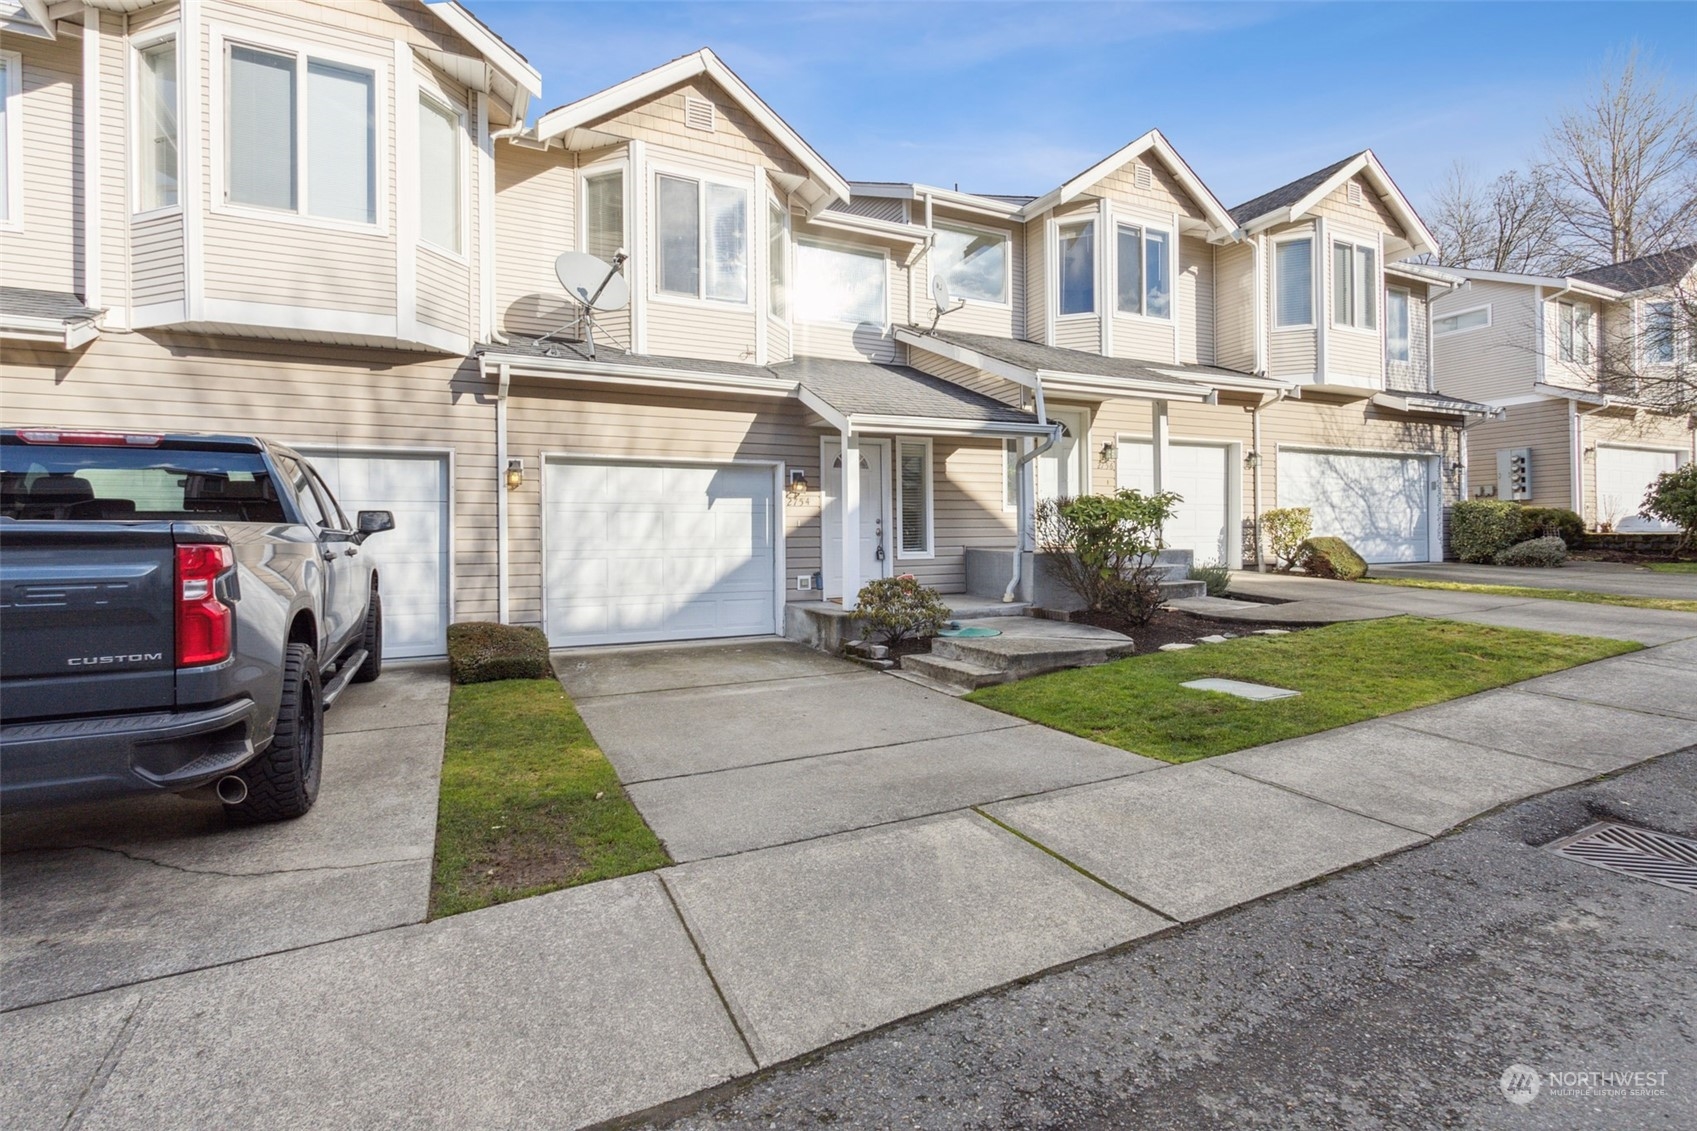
114 162
1036 282
444 290
1413 375
1147 338
1544 426
1650 431
1195 301
262 261
700 329
156 260
966 481
1234 310
535 220
47 253
1491 362
966 376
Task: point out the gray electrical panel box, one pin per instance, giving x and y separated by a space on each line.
1514 473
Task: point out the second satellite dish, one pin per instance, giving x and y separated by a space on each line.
593 282
944 301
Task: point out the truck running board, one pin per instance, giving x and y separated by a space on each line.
344 675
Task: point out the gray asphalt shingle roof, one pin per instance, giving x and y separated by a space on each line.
1663 269
1055 359
1286 195
25 302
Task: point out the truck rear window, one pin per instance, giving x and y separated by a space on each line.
78 484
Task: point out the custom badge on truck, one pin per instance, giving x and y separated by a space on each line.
100 661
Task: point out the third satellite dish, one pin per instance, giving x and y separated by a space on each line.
594 283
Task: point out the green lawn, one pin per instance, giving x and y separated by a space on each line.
1667 604
1345 672
1674 567
529 803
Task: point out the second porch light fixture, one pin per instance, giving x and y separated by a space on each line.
515 474
1252 460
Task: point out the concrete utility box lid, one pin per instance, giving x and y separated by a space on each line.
1242 690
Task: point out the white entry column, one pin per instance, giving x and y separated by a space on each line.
849 512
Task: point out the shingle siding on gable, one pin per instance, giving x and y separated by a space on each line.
659 121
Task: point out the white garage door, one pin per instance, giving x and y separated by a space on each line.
1379 504
1199 473
412 559
1623 476
637 552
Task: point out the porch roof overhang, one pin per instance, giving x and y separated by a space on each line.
52 317
1433 404
1060 371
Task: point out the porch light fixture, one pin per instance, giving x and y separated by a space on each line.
515 474
797 486
1105 457
1252 460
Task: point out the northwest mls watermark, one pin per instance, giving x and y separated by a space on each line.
1521 1085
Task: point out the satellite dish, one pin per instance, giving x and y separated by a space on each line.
945 302
593 282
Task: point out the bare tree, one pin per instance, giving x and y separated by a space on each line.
1622 167
1655 363
1508 224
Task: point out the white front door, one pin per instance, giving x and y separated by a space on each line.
1623 477
1201 475
1380 504
1064 470
874 524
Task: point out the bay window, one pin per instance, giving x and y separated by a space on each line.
1355 285
974 262
703 239
1145 282
913 498
1396 325
1293 283
604 214
1658 332
156 125
838 284
1078 267
1573 332
300 135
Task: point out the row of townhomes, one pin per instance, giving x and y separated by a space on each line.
328 222
1589 375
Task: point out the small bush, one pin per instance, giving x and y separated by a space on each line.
1547 551
1216 577
899 608
1332 557
1673 498
1105 548
1286 529
1482 528
1552 522
481 651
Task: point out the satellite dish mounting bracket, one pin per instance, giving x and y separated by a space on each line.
583 321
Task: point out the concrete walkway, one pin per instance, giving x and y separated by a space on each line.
592 1003
1588 577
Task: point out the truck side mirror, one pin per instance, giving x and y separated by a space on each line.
375 522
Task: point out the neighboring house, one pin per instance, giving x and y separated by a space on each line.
328 223
1581 368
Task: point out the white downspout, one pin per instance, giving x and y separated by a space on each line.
1255 479
1024 515
501 601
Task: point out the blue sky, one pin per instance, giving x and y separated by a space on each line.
1016 97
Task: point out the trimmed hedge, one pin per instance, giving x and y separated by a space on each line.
1480 529
1544 552
482 651
1332 557
1552 522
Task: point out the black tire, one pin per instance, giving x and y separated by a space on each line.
282 783
372 641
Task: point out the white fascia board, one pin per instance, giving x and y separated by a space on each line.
503 58
1108 388
1580 395
871 226
941 426
35 21
967 202
1437 276
1423 242
1412 403
825 409
1006 370
1550 282
1218 218
1248 383
597 372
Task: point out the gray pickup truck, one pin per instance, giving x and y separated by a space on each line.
176 613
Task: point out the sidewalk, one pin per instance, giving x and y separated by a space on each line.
596 1002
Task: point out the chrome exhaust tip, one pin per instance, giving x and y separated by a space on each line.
231 789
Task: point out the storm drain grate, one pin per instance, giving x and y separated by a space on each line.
1662 859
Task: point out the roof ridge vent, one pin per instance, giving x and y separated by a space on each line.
700 114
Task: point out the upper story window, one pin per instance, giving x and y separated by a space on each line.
156 125
777 261
1573 332
1658 332
439 161
1472 318
301 135
1145 272
1396 325
839 284
1355 285
1293 283
11 131
974 261
1078 267
703 239
604 213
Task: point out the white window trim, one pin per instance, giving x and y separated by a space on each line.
221 39
785 320
13 221
140 43
584 176
1408 342
1355 244
1316 282
702 177
961 226
930 550
854 249
1144 227
1056 223
1674 336
1437 318
463 256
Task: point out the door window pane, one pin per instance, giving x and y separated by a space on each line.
680 237
341 134
438 174
1294 274
727 249
604 214
1078 268
261 124
156 159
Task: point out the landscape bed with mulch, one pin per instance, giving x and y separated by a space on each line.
1169 626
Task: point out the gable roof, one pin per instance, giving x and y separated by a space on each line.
1152 142
822 185
1294 200
1662 269
523 81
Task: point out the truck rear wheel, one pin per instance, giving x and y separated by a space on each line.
283 782
372 641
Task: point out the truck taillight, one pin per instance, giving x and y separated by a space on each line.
203 621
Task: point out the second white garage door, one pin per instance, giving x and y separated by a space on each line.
1379 504
1201 474
639 552
1623 476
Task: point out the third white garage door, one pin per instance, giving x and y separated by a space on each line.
1379 504
635 552
1623 476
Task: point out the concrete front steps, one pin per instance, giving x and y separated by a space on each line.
1174 567
1027 646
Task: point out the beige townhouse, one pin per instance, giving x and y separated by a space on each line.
1584 371
330 223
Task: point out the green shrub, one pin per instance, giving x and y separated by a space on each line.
481 651
899 608
1331 557
1103 548
1482 528
1286 529
1673 498
1215 576
1547 551
1552 522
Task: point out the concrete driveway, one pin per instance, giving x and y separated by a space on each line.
731 747
107 895
1588 577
